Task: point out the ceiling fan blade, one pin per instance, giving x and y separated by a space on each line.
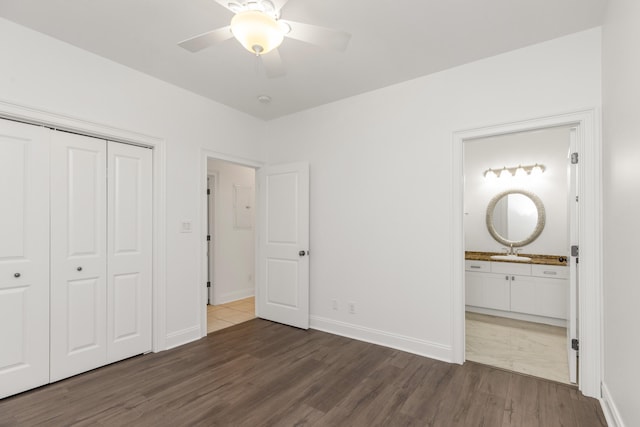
273 66
279 4
210 38
320 36
227 4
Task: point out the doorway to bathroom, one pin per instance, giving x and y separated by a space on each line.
589 233
230 244
519 225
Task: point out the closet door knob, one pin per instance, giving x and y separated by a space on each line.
79 268
16 275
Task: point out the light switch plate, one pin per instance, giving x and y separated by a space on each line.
186 226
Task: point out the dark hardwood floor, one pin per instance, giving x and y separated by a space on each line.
260 373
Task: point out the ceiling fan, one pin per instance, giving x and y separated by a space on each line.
258 27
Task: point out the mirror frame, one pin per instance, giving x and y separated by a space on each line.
539 225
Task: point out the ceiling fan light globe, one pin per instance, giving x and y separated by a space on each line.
258 32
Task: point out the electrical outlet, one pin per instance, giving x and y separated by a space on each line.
352 308
334 304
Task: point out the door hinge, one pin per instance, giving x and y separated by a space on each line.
575 251
208 284
575 344
574 158
208 238
208 191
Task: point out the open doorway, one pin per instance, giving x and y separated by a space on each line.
230 244
520 222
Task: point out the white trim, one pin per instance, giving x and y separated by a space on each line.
590 232
375 336
206 154
611 413
41 117
233 296
183 336
518 316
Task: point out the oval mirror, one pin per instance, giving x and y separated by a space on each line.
515 217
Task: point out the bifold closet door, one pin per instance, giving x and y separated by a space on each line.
129 250
78 254
24 257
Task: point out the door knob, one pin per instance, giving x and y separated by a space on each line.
79 268
302 253
16 275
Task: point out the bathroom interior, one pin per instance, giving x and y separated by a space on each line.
520 223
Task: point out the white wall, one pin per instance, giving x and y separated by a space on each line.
233 246
381 165
47 74
621 187
548 147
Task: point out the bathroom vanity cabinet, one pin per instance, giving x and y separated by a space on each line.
531 292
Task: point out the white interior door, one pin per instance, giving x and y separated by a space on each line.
572 309
78 254
129 244
283 244
24 257
211 235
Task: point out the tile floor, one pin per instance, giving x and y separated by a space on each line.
229 314
525 347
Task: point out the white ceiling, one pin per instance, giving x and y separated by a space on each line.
392 41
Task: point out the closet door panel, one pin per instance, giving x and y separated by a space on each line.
24 257
129 250
78 254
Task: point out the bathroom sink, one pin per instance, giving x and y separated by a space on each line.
515 258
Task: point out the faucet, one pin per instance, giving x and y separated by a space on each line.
510 250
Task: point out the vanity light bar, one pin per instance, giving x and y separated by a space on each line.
536 169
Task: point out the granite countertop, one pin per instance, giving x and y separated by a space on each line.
560 260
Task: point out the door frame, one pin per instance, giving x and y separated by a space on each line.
39 117
205 155
590 236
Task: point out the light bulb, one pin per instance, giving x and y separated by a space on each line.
490 175
505 174
520 172
536 170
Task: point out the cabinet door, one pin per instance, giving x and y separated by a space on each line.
78 254
24 257
129 251
487 290
539 296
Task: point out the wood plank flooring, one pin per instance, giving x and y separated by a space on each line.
260 373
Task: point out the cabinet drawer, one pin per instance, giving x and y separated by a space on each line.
484 266
511 268
550 271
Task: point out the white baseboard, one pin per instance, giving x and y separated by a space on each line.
609 408
518 316
375 336
232 296
183 336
